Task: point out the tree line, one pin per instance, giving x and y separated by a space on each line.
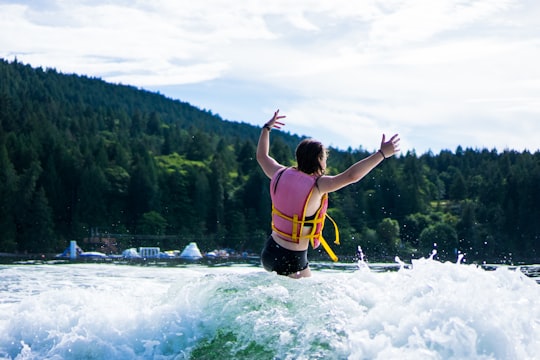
80 156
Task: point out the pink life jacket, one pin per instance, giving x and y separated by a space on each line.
290 190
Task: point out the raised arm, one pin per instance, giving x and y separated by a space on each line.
360 169
268 164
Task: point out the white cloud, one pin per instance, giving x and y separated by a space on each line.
442 73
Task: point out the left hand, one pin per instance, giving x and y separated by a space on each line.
273 122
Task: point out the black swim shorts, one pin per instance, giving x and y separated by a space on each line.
282 261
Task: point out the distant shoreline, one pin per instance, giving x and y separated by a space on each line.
11 258
52 259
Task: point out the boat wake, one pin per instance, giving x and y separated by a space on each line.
428 310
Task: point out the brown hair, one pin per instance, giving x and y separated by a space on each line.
308 153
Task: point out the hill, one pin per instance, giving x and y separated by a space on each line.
81 157
117 166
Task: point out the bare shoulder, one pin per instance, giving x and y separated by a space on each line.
328 183
271 167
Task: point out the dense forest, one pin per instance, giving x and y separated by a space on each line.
82 159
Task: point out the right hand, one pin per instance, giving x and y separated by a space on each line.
391 146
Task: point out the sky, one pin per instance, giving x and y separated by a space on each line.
440 73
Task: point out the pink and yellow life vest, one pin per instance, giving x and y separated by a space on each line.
290 190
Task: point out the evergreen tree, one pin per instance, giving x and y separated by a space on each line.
152 223
8 192
142 190
413 186
388 233
77 152
458 186
216 221
442 237
246 158
38 234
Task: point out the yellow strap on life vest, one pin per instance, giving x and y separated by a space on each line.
295 229
296 224
324 243
328 249
336 230
294 220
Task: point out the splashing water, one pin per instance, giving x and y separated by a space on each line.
362 264
401 263
430 310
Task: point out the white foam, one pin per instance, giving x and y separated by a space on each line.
432 310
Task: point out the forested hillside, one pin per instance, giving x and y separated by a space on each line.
81 158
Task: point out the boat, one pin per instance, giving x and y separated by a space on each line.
218 254
131 253
92 255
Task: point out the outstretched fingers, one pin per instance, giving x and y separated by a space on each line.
274 121
391 146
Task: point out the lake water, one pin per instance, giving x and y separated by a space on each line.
427 310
